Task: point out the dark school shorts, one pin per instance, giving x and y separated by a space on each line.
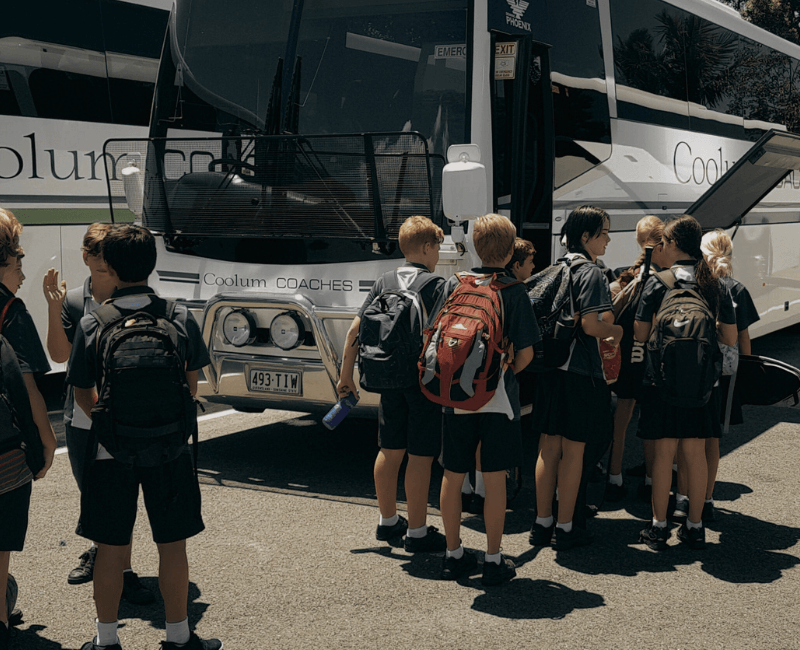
576 407
111 491
14 508
409 420
500 438
659 420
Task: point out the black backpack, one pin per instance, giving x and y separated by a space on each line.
145 412
550 292
684 359
17 427
390 334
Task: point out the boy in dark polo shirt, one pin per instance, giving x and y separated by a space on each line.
111 488
15 474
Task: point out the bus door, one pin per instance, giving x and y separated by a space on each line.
522 140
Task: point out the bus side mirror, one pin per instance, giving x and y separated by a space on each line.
464 187
133 183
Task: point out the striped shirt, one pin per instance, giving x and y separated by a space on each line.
14 471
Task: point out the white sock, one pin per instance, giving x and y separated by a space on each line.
674 467
480 487
648 480
659 524
106 633
545 521
389 521
494 557
691 524
680 497
457 554
417 532
567 527
556 494
711 501
466 486
178 633
615 479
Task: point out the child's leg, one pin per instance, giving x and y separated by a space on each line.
662 476
569 478
712 463
494 510
387 467
622 418
173 579
108 581
546 473
5 556
417 484
450 504
683 470
694 456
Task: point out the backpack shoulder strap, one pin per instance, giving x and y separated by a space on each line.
3 313
667 278
421 281
106 314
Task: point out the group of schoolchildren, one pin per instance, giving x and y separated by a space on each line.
573 414
87 328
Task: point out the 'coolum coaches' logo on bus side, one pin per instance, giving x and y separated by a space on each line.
515 18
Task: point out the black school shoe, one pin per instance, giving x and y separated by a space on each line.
85 570
615 493
694 538
564 541
655 537
385 533
709 513
453 569
433 542
134 591
195 643
91 645
496 574
541 535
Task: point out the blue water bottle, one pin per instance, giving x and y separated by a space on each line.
340 411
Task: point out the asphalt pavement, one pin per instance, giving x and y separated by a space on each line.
289 558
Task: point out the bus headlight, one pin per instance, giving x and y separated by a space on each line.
287 330
239 328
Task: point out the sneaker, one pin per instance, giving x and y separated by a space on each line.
15 618
453 569
681 510
576 537
541 535
638 470
134 591
645 492
694 538
476 504
615 493
85 570
195 643
92 645
432 542
655 537
495 574
385 533
709 513
590 511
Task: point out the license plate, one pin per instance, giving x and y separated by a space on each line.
270 381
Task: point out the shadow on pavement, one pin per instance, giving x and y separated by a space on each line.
30 639
154 613
525 598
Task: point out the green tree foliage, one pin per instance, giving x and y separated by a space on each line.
781 17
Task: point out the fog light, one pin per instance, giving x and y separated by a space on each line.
239 328
287 331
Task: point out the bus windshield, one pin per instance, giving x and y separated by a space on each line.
349 67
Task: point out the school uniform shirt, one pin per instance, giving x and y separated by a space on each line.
409 271
20 332
83 365
590 295
73 414
519 326
743 305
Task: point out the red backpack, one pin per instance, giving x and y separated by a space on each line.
460 364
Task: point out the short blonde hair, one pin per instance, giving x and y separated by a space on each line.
10 230
493 238
417 231
717 248
93 239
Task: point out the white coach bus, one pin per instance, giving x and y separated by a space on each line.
289 140
72 75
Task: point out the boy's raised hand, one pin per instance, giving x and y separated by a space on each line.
53 292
